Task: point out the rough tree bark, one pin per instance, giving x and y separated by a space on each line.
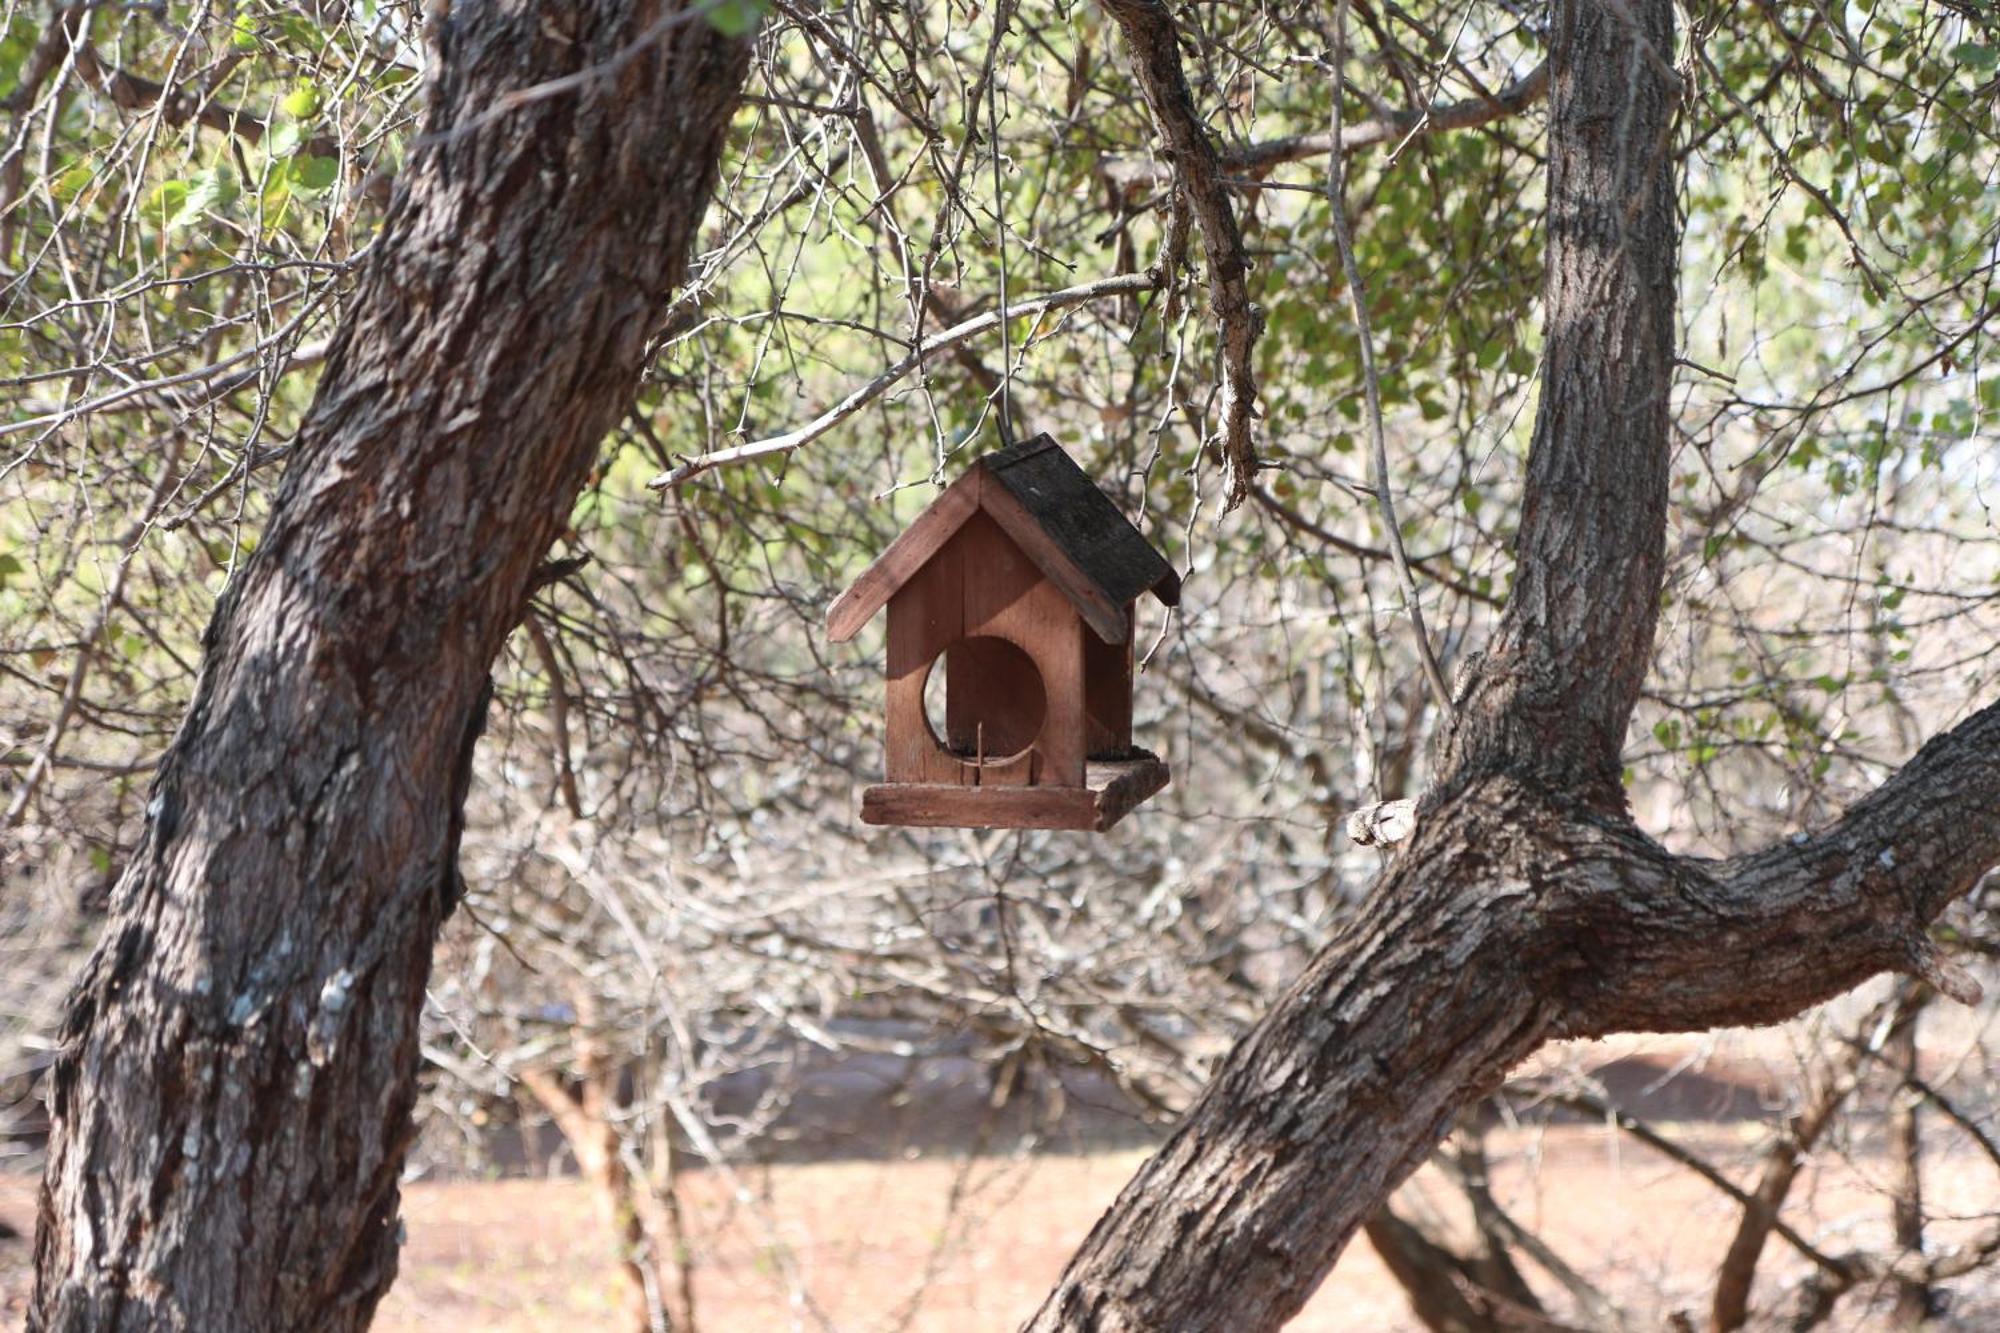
1527 905
232 1102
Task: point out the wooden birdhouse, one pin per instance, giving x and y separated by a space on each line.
1010 651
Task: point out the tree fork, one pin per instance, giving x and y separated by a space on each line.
232 1100
1526 905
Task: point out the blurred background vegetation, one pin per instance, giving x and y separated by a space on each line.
678 934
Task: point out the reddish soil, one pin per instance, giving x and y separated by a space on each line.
872 1246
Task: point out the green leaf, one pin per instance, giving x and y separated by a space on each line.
73 182
302 102
735 18
315 173
213 190
1976 55
9 567
301 32
165 202
243 33
17 41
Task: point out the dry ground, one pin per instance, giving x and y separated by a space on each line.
870 1243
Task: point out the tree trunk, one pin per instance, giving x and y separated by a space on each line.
1830 1087
585 1111
232 1101
1527 905
583 1116
666 1217
1906 1159
1432 1276
1454 1292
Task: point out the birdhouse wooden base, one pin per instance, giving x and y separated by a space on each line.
1114 787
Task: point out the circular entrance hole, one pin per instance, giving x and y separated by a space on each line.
987 703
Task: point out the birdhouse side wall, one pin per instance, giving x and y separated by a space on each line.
980 583
1107 692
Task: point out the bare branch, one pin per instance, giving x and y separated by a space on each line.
1357 297
1398 128
1124 283
177 106
1198 174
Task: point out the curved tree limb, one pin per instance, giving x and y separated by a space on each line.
1512 919
1437 568
1527 905
1399 127
1199 177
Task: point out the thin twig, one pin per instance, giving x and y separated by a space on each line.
1652 1138
1000 18
1357 297
1122 284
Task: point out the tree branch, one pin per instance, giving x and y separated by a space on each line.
1513 917
1123 283
1527 905
1199 176
1444 576
1398 127
1763 1207
1552 694
1758 938
1625 1121
1357 296
177 106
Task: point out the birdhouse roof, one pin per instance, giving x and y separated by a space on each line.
1052 510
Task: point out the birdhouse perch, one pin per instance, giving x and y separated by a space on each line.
1019 581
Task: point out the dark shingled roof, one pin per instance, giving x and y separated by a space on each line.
1047 506
1099 540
